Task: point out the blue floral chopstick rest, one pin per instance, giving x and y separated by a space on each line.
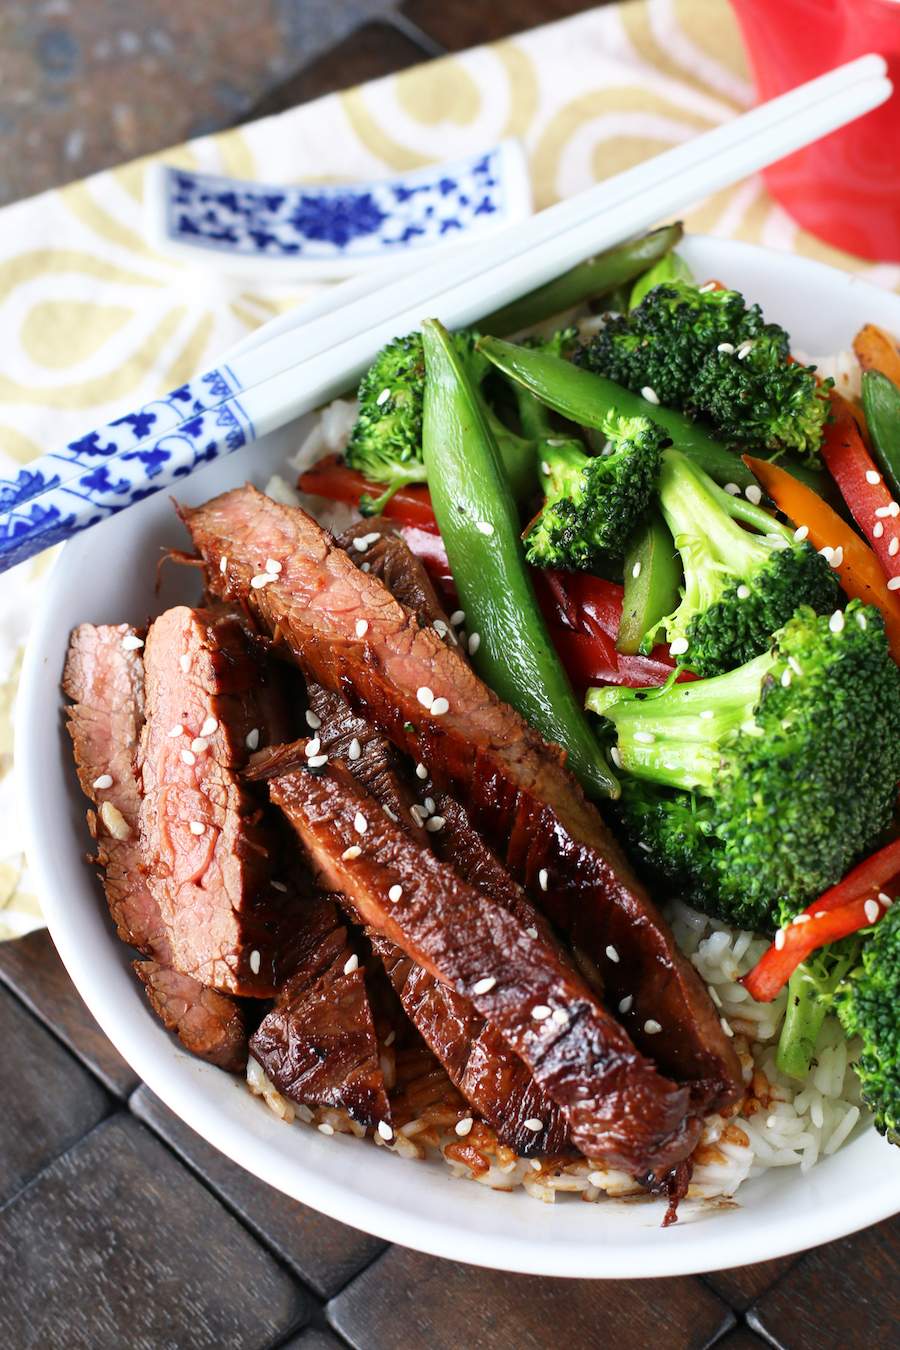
333 230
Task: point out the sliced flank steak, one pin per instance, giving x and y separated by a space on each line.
618 1107
210 853
104 677
318 1043
346 630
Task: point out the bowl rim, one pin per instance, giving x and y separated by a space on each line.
692 1252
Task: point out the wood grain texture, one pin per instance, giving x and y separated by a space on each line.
374 50
844 1295
117 1247
48 1100
406 1299
745 1284
325 1254
31 967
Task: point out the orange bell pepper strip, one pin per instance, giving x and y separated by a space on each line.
859 570
877 350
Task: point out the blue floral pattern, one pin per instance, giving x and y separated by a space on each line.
322 224
104 471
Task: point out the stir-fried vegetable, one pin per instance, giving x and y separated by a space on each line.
652 573
881 405
480 527
864 490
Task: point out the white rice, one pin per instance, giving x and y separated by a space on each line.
779 1123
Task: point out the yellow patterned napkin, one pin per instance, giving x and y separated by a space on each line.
94 322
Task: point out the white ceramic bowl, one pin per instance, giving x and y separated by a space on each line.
107 575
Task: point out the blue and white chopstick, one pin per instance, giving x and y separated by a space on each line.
267 386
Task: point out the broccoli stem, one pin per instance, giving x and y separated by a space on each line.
802 1024
588 280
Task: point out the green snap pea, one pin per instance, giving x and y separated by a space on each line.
652 573
881 405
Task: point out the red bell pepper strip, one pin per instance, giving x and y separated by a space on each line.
863 488
594 660
842 910
333 479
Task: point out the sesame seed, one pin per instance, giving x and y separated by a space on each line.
395 893
185 662
753 494
707 286
425 696
786 677
678 646
732 489
255 962
615 756
251 740
352 852
872 910
726 347
543 878
382 398
313 747
313 721
131 642
325 1128
894 584
439 707
484 527
651 1026
612 954
104 781
779 939
882 512
532 932
872 476
210 726
223 564
177 730
354 750
743 592
644 737
197 827
836 622
279 886
885 899
474 643
390 1038
533 1124
360 824
837 556
418 813
820 913
261 579
545 468
351 964
893 546
362 627
649 394
801 532
421 771
540 1012
636 570
744 350
188 757
560 1017
484 986
434 824
114 821
429 805
199 744
725 1027
878 529
361 544
385 1131
273 566
317 761
457 617
462 1127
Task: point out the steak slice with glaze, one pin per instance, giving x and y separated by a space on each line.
207 846
517 790
105 680
318 1043
617 1105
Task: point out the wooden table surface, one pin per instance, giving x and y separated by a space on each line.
119 1227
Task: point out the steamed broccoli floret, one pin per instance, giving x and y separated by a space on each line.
708 354
739 587
867 1005
593 502
386 441
756 790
